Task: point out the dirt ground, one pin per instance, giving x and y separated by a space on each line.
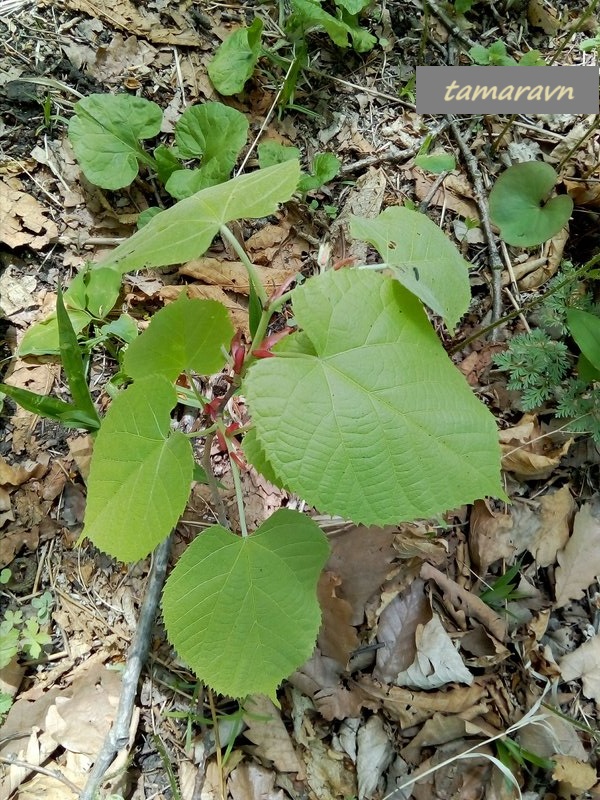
345 727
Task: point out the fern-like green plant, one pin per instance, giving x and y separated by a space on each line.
543 366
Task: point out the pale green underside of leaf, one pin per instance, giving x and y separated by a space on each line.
585 329
185 335
421 257
187 229
140 474
375 424
243 613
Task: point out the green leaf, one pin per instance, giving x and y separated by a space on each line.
166 163
73 363
105 133
436 162
235 59
42 338
308 14
372 422
586 371
215 133
146 215
211 131
51 407
532 58
141 472
185 335
520 208
271 153
421 257
462 6
256 456
124 328
243 612
255 308
187 229
9 645
325 167
585 329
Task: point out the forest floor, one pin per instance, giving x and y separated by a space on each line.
525 690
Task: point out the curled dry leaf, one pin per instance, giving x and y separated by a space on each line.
337 637
579 562
269 735
528 453
490 536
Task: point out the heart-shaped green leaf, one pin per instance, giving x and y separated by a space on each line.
105 133
187 334
421 257
520 207
187 229
243 612
363 414
236 58
141 472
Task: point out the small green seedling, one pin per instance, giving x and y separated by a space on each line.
590 45
495 55
521 206
504 589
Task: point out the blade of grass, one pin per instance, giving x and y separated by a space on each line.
51 407
72 362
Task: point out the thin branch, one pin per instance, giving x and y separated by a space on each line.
481 200
118 736
50 773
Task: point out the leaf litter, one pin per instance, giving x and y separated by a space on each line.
412 666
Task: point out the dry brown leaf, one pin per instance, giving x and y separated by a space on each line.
23 220
411 707
490 536
579 562
584 663
19 474
529 454
337 637
128 17
450 195
251 782
362 558
269 735
437 661
584 193
542 14
16 291
574 777
232 275
441 728
467 602
397 629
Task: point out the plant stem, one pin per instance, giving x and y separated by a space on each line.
238 496
212 483
250 268
580 273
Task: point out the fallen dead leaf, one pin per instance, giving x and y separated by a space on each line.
265 729
574 776
437 661
16 291
128 17
337 637
374 755
23 220
466 602
584 663
364 200
490 536
232 275
238 312
251 782
397 629
543 15
528 453
579 561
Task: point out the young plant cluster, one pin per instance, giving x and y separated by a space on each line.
358 410
541 364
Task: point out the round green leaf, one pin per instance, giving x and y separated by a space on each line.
235 59
243 612
520 207
187 334
141 472
105 133
421 257
437 162
368 418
